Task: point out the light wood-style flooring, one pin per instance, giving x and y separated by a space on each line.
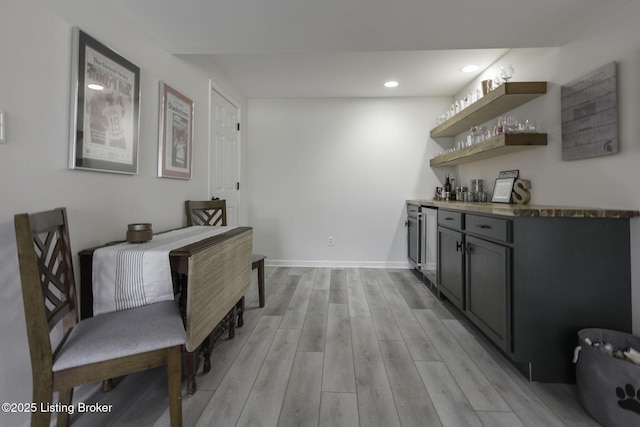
346 347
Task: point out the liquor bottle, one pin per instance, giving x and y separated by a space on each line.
447 188
452 195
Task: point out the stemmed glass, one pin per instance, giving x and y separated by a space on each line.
506 73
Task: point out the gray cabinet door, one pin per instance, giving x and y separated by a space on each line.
451 265
488 282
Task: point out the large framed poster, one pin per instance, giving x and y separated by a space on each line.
175 134
105 108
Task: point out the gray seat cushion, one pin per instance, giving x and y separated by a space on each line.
122 333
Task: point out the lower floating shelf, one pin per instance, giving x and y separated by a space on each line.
496 146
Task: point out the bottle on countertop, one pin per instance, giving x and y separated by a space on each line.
452 195
447 188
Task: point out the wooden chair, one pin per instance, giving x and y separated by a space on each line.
214 212
207 212
98 348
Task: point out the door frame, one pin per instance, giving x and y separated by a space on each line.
213 86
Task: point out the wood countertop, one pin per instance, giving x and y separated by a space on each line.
529 210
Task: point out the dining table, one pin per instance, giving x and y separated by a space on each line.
207 269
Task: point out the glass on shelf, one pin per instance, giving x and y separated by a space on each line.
506 73
477 134
459 105
496 81
510 124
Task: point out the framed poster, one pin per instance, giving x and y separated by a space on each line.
176 134
105 108
502 190
590 115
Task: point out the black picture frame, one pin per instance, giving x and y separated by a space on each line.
105 108
509 174
502 190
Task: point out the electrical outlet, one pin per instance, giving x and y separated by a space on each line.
330 241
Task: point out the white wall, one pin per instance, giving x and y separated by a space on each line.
341 168
34 93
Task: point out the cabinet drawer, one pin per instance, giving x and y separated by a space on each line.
494 228
450 219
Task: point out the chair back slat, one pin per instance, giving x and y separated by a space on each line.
206 212
46 273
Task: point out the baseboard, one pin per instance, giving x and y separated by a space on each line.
336 264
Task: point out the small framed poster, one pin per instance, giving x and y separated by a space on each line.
502 190
105 108
175 134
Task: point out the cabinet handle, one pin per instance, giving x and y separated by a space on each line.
448 218
458 246
483 226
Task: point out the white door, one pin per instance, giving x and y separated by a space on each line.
225 154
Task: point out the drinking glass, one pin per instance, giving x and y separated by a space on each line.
506 73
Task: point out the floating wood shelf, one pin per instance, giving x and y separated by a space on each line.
499 101
496 146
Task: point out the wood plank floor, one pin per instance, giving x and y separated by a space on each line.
346 347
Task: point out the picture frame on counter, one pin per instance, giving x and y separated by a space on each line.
502 190
175 134
105 108
509 174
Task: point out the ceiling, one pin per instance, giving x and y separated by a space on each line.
349 48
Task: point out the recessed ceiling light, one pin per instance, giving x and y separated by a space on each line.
95 86
470 68
391 83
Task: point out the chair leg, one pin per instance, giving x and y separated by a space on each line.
174 379
261 282
65 397
42 395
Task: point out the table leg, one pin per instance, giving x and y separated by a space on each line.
190 366
240 308
107 385
207 345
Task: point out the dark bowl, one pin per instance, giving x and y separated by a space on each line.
139 233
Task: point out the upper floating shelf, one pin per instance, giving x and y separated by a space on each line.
502 99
